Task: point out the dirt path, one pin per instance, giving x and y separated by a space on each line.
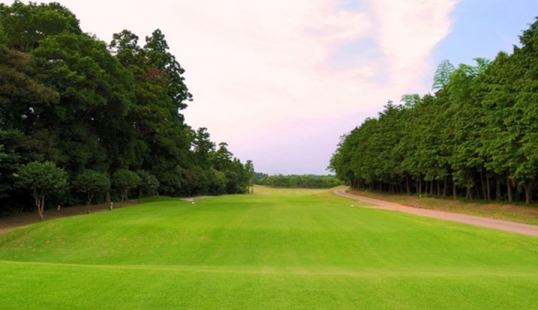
518 228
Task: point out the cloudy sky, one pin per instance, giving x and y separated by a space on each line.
281 80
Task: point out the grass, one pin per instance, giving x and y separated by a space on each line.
278 249
515 212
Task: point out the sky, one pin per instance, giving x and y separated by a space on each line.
280 81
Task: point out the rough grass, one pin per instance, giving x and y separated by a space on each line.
278 249
519 212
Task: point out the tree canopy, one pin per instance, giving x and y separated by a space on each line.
475 137
41 179
70 99
299 181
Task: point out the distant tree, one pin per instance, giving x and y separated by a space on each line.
235 177
202 147
222 158
125 180
217 182
92 182
41 179
249 167
148 183
300 181
259 175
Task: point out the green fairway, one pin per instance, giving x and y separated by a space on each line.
277 249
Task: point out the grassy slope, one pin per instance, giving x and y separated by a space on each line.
278 249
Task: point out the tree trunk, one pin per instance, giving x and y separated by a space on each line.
484 191
488 188
425 187
431 187
498 193
454 192
407 184
508 187
123 194
42 208
468 177
90 197
420 185
528 191
438 188
444 187
107 197
39 200
139 195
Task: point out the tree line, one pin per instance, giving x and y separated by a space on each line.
80 116
299 181
475 137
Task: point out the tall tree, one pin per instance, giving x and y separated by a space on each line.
162 137
249 173
202 147
165 65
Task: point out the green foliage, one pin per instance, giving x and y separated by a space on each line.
2 154
25 25
202 147
23 97
442 75
41 179
92 182
125 180
475 136
249 176
69 98
300 181
410 100
148 183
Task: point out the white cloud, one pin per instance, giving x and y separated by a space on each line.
407 33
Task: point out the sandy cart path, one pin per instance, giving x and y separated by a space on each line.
525 229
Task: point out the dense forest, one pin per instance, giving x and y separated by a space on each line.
82 120
475 137
299 181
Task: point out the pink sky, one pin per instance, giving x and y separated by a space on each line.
281 80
